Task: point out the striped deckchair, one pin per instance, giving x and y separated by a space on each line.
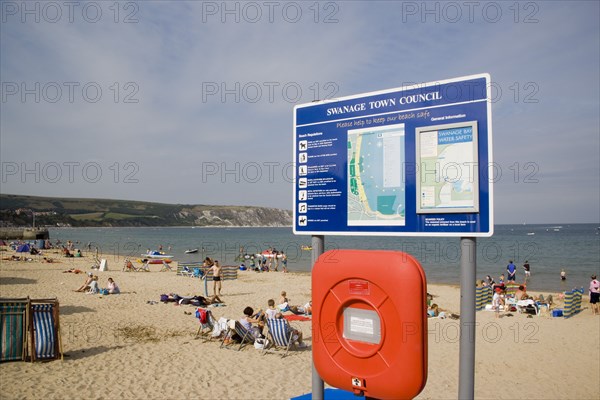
280 334
45 330
483 296
572 302
13 329
235 327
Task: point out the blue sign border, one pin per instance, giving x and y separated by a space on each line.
321 158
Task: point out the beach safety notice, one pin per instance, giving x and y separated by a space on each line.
404 161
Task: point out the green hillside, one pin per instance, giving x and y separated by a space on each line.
15 211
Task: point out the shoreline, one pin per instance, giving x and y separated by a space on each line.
531 285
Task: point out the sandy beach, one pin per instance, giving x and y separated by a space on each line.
123 347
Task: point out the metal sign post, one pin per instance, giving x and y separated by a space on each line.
318 391
466 363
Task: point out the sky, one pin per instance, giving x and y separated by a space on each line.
192 102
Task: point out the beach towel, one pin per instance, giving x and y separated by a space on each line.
295 317
220 327
201 315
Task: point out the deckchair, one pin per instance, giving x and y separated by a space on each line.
45 330
524 305
185 271
235 327
145 267
13 329
165 267
280 333
207 323
96 264
128 266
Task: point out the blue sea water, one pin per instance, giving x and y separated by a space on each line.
548 248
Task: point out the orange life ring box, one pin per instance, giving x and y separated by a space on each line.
370 322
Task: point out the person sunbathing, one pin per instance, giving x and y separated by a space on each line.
94 288
214 299
432 311
521 294
86 284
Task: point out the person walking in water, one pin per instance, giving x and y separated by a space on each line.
511 271
527 269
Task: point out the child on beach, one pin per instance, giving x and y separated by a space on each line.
271 311
497 301
284 261
284 302
112 287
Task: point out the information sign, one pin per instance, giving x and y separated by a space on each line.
411 161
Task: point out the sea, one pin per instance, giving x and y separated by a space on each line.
548 249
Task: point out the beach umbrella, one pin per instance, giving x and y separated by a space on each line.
24 248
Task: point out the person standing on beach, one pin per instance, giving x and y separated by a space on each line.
527 269
511 270
217 272
595 295
497 301
284 261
